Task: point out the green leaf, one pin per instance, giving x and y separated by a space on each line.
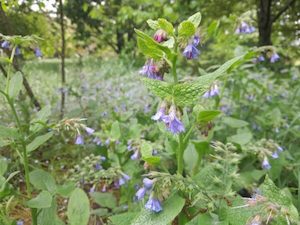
234 123
195 19
107 200
43 200
213 28
203 219
123 219
153 24
186 29
78 208
169 43
151 48
42 180
48 216
166 26
8 132
146 149
65 190
277 196
171 208
207 115
15 85
115 131
187 93
3 166
38 141
241 139
41 117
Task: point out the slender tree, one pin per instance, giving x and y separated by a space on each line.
63 49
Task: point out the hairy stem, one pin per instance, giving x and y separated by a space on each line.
181 148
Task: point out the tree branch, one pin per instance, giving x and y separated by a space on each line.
290 3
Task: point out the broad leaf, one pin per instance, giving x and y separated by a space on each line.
43 200
153 24
115 131
104 199
3 165
42 180
241 138
187 93
166 26
15 85
208 115
234 123
78 208
195 19
8 132
38 141
186 29
41 117
151 48
171 208
123 219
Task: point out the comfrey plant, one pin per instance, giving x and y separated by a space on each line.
207 185
25 137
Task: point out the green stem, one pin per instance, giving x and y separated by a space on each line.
174 61
25 156
180 152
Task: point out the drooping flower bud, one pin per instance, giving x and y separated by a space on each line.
5 45
213 91
191 51
148 183
274 57
172 122
265 164
38 53
153 204
140 193
151 70
160 36
79 140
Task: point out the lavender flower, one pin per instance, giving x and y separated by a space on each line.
92 189
159 114
172 122
213 91
97 141
151 70
103 188
123 179
140 193
89 130
17 51
79 140
275 155
280 149
244 28
135 155
265 164
153 204
38 52
5 45
160 36
191 51
107 142
274 57
148 183
196 40
103 158
20 222
98 166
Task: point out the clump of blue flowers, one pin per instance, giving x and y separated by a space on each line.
191 51
244 28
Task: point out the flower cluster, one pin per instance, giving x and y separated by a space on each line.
153 203
151 70
244 28
212 91
6 45
171 120
272 56
265 149
191 51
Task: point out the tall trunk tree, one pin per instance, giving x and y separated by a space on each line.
63 50
266 19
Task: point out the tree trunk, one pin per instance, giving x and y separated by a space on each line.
63 49
264 22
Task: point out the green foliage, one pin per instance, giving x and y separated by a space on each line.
42 180
42 200
78 208
172 207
